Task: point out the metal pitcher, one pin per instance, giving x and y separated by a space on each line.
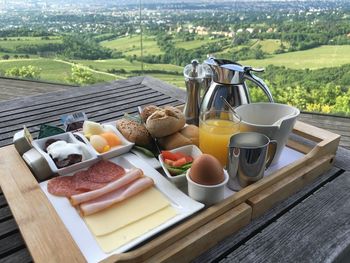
228 80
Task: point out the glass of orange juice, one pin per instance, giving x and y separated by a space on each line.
215 130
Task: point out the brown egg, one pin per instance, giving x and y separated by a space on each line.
207 170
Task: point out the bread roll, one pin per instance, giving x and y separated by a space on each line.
187 135
134 131
164 122
148 111
191 132
173 141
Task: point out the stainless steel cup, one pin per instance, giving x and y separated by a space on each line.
249 155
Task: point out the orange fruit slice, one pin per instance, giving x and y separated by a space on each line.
111 138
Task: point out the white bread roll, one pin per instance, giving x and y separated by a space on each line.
164 122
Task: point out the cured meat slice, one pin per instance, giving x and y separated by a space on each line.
62 186
83 183
117 196
129 177
105 172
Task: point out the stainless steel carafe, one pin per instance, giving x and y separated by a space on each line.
194 77
228 81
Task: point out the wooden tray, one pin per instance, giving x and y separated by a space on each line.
47 237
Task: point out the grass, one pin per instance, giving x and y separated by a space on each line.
51 70
130 45
320 57
193 44
270 45
12 42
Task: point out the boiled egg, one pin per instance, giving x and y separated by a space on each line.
206 170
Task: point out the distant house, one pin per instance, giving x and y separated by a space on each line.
270 30
202 31
348 35
250 30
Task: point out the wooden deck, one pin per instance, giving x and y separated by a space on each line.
11 88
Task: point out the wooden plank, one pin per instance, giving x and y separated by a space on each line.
267 198
185 249
316 230
21 255
2 200
40 117
5 213
36 222
7 227
100 96
231 243
74 92
11 243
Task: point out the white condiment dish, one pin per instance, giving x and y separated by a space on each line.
114 151
206 194
89 155
180 180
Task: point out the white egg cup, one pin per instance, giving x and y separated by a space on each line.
206 194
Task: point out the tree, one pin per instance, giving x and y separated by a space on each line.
81 76
27 72
5 57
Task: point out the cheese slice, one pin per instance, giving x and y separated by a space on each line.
124 235
126 212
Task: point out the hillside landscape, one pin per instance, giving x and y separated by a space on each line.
297 47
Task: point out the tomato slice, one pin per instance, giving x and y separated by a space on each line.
180 162
169 162
169 155
189 159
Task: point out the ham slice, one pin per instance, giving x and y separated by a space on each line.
117 196
127 178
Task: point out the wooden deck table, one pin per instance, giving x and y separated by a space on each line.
313 225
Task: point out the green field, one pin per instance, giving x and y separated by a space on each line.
12 42
321 57
51 70
193 44
270 45
130 45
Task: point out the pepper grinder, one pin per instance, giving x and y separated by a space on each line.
194 76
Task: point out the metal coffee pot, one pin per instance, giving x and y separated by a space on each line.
228 81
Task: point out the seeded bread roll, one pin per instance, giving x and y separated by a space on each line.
164 122
148 111
134 132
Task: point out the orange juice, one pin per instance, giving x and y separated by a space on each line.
214 136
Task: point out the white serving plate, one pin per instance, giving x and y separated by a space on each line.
183 204
88 152
180 180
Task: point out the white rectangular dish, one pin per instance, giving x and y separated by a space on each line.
115 151
89 155
80 232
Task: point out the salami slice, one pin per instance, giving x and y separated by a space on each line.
62 186
105 172
83 183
